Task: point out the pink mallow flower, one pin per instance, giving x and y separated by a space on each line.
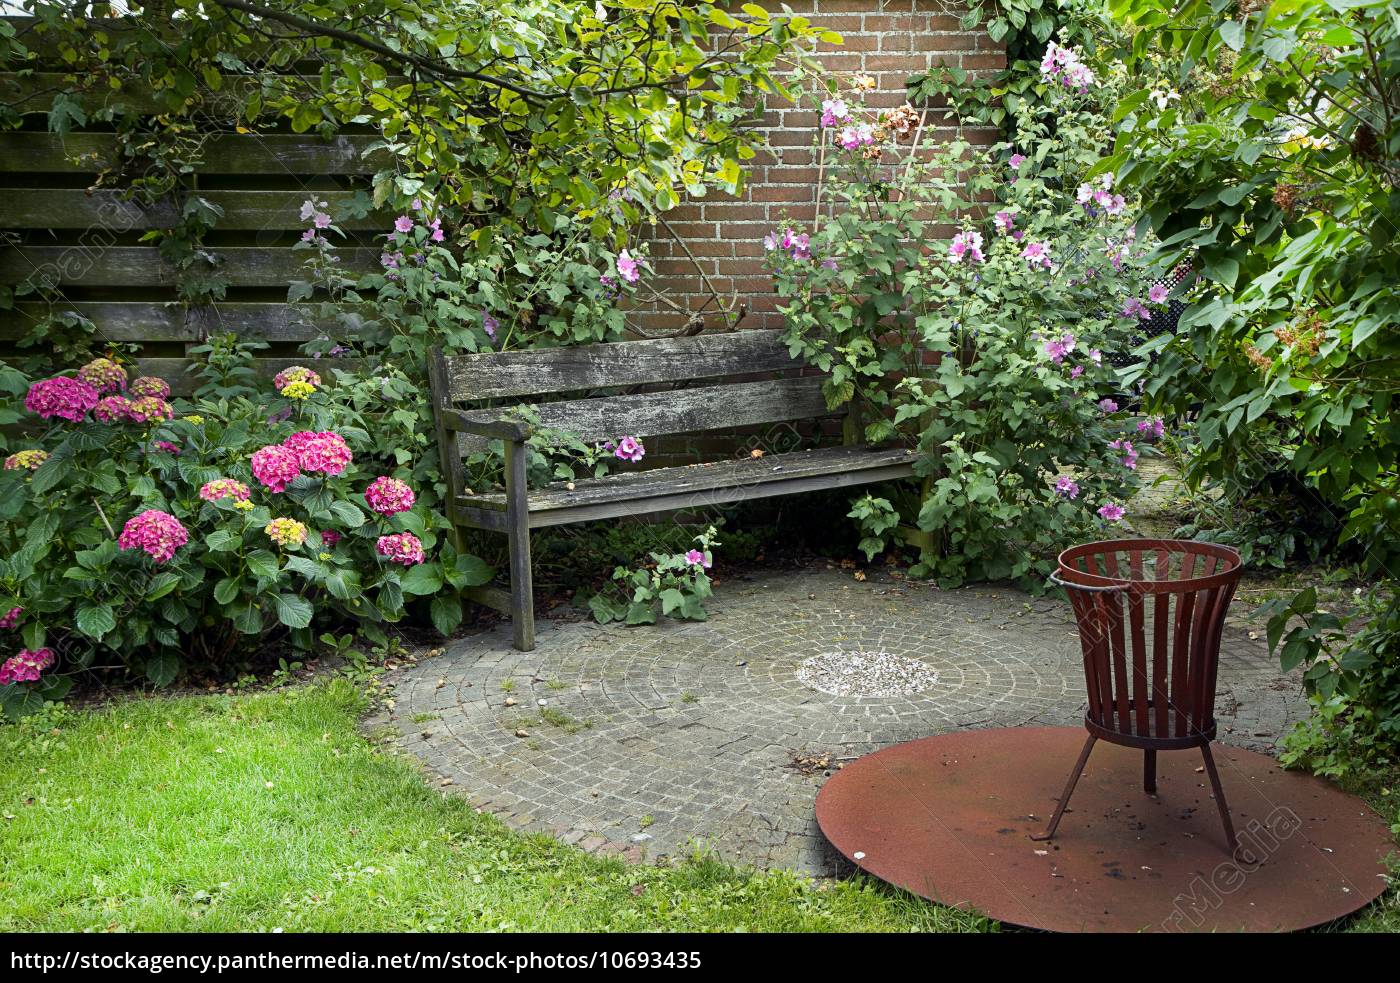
276 467
26 667
403 547
1135 308
1111 511
966 244
323 452
834 112
1016 161
697 559
61 396
158 533
630 449
1037 254
1066 486
628 268
1130 454
1152 427
1058 348
1108 406
389 496
1005 221
1157 293
403 224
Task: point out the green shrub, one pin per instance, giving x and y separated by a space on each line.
162 534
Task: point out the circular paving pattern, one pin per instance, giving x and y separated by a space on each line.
663 738
950 818
866 674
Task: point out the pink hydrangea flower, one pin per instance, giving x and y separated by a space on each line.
286 533
112 409
219 488
630 449
11 618
329 537
158 533
166 447
966 244
149 385
403 547
1112 511
389 496
1066 486
149 409
26 460
26 667
276 467
61 396
697 559
295 373
628 268
104 375
324 452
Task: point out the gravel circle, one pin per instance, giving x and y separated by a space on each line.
866 674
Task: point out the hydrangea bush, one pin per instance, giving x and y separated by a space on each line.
965 299
165 531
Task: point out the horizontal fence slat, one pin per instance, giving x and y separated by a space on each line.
142 266
492 375
183 383
74 208
676 411
222 153
154 322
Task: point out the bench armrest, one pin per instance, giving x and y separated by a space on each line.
454 419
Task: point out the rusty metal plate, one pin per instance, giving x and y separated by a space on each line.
949 819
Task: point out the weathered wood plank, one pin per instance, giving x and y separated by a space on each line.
35 94
492 375
141 266
182 383
699 478
120 321
226 153
675 411
726 489
74 208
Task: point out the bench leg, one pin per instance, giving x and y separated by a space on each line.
522 596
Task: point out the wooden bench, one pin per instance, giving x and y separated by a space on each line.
769 391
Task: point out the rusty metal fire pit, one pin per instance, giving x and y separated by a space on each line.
1150 614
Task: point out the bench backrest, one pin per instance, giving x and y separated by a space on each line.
528 375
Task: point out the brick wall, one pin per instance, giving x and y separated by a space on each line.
889 40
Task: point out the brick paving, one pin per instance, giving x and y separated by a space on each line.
652 741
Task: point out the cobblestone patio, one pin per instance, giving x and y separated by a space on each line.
649 741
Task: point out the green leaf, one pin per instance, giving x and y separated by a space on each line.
162 668
425 578
1232 33
94 620
446 612
293 611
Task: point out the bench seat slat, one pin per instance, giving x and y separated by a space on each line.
674 411
698 486
541 371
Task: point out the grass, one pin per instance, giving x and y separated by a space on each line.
270 811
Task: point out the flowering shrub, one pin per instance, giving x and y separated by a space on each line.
986 351
674 584
236 518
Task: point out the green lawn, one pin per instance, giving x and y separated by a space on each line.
270 810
